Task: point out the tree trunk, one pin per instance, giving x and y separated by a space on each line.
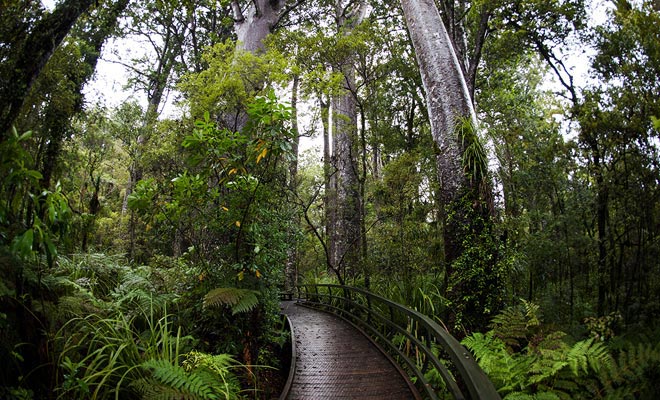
251 29
448 102
473 285
33 55
347 226
290 269
330 197
345 235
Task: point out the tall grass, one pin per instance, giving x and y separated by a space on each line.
108 357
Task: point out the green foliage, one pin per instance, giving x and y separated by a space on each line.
50 214
476 278
475 158
201 377
544 365
634 372
231 80
240 300
514 324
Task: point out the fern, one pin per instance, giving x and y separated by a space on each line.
240 300
589 354
633 374
546 367
514 324
151 389
220 365
537 396
202 376
194 385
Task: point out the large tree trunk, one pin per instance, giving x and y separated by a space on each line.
346 231
330 197
447 97
251 29
473 286
291 267
32 56
345 234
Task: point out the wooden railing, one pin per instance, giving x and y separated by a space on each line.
421 347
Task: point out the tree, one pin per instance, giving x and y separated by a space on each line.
346 218
616 139
464 192
252 25
30 50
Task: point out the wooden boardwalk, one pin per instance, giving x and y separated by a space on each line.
335 361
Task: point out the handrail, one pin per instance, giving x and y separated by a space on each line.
292 365
417 343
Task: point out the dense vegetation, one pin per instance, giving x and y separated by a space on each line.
142 255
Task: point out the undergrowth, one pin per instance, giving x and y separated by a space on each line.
526 360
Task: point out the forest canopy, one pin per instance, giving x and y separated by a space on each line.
448 155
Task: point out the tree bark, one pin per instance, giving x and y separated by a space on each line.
345 235
290 269
448 99
330 197
251 29
34 53
472 283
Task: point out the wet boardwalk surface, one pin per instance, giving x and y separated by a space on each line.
334 361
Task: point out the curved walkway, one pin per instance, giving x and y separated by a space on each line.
335 361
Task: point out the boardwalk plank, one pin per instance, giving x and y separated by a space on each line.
334 361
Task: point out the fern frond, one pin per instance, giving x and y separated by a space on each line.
151 389
240 300
195 385
537 396
513 324
220 363
589 354
633 374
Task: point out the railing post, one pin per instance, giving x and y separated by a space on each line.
368 296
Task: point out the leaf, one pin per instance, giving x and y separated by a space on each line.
24 136
240 300
262 154
656 122
22 245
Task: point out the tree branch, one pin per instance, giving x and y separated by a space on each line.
555 64
238 13
471 77
286 11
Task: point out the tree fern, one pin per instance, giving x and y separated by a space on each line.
240 300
